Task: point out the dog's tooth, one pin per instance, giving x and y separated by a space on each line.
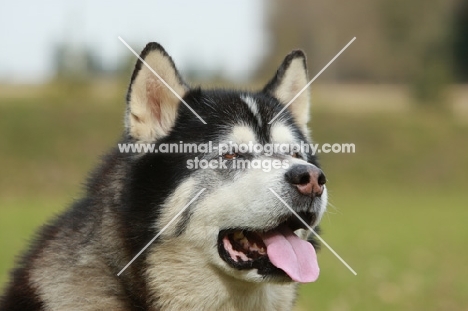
254 247
245 242
260 249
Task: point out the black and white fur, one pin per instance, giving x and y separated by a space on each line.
74 261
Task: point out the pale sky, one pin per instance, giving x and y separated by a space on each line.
211 33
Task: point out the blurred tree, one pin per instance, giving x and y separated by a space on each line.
419 33
75 62
461 41
75 66
398 41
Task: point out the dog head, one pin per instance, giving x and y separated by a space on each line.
242 224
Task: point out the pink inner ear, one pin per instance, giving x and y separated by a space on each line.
153 95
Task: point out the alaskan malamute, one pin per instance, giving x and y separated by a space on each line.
235 247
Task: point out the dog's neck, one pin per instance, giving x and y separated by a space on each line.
181 281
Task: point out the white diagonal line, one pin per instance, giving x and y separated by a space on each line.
162 80
162 230
313 231
310 82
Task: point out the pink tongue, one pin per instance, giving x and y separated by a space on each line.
292 254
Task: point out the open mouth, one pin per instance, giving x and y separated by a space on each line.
277 251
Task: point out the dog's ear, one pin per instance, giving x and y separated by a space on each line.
288 81
151 105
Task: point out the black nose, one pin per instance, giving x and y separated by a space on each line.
308 179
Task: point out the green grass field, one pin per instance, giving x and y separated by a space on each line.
400 203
